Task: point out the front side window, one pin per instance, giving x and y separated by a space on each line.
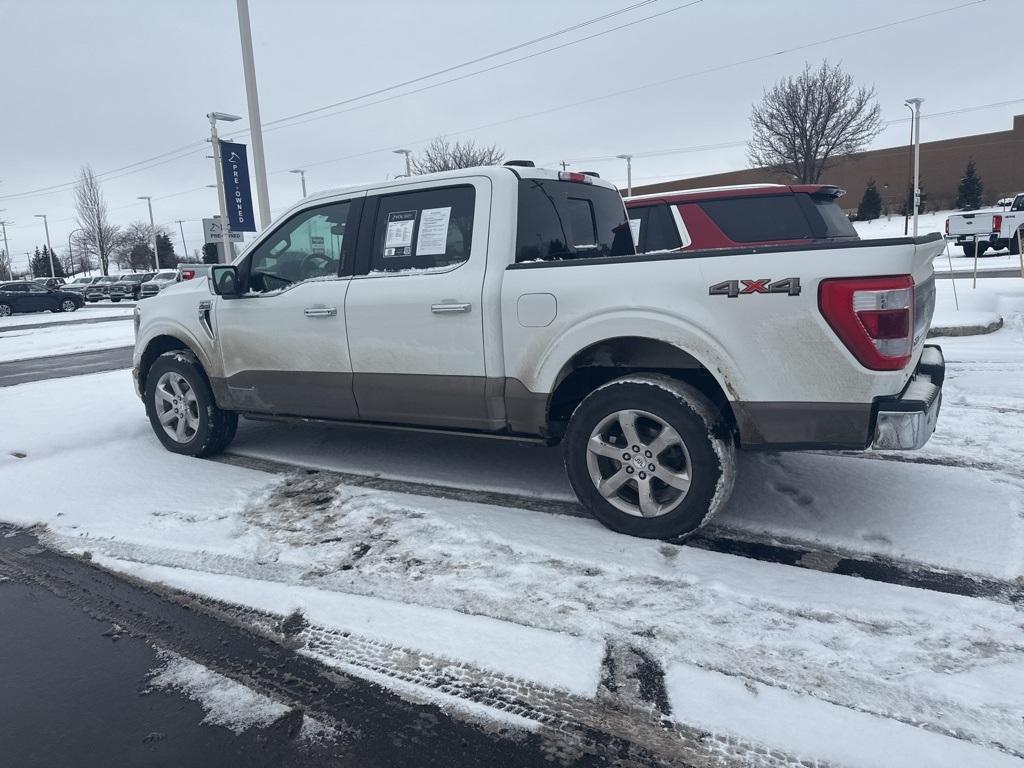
309 245
570 220
423 230
36 288
1018 203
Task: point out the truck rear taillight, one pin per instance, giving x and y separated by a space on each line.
579 178
873 317
997 223
188 274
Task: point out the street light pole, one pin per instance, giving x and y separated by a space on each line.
408 162
152 228
46 226
184 248
917 156
629 173
302 175
253 100
224 225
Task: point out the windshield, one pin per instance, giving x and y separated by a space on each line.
567 220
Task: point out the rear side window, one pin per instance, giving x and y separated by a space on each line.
422 230
570 220
759 219
835 221
655 228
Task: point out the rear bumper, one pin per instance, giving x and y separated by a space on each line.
908 421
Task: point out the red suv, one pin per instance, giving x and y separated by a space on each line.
738 217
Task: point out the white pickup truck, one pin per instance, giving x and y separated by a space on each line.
994 228
509 301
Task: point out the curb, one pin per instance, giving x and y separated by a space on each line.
965 330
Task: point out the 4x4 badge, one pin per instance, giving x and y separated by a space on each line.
735 288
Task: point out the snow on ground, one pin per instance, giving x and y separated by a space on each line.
64 339
227 703
89 311
789 655
935 221
536 596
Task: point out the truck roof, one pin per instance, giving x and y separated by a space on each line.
738 190
490 171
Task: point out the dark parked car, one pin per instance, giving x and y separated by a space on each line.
27 296
100 290
49 282
127 286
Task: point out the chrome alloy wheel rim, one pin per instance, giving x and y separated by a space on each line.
177 407
639 463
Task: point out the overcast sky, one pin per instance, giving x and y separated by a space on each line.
114 82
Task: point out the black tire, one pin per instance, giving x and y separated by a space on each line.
969 249
115 300
216 427
1015 244
6 310
706 439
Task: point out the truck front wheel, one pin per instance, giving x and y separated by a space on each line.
181 408
649 456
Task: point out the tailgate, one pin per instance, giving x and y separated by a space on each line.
969 224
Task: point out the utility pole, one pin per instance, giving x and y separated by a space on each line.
253 100
184 248
629 173
564 165
215 141
7 249
917 157
152 228
408 162
46 226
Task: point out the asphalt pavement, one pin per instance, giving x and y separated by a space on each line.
79 648
59 366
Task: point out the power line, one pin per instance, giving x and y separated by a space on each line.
470 62
194 147
477 72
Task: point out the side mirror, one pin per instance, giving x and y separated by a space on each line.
225 281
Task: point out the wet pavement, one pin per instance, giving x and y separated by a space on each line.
78 645
60 366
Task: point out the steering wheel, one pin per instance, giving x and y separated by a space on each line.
316 265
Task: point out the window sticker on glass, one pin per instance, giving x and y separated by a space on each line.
433 235
316 245
634 227
398 238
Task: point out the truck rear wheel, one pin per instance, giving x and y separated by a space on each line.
969 249
181 408
649 456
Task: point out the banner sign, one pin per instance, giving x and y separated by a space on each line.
237 194
212 232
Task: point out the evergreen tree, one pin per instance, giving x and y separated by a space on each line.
870 206
907 207
968 193
40 264
210 253
165 251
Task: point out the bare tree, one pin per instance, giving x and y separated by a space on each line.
804 122
5 265
134 249
442 155
98 235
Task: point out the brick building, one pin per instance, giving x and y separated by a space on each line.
999 158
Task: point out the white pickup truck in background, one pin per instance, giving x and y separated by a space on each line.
994 228
509 302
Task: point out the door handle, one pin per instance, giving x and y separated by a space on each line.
450 307
320 311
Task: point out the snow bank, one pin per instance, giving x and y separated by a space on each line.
64 339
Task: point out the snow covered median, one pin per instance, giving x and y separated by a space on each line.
64 339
